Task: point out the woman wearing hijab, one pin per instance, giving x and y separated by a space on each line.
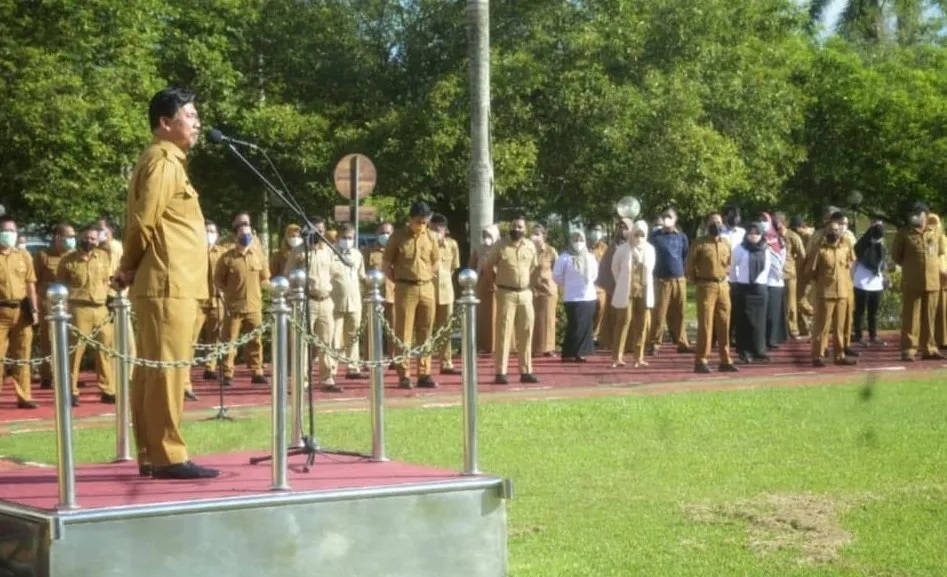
869 283
748 284
633 297
776 331
486 289
291 239
545 296
575 271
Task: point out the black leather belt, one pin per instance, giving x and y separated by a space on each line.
411 282
512 289
10 304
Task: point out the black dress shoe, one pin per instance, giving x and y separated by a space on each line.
226 381
258 380
529 378
933 357
731 368
190 396
210 375
701 368
354 376
685 350
46 384
501 380
107 398
145 470
818 363
450 371
405 383
846 362
26 405
850 352
74 401
183 471
427 382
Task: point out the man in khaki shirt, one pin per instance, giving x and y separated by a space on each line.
829 270
707 266
444 288
165 262
347 298
412 258
917 250
86 273
18 300
240 275
373 257
795 255
321 307
516 262
602 324
210 313
46 265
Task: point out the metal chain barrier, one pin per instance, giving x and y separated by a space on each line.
48 359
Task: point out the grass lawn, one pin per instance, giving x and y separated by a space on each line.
824 481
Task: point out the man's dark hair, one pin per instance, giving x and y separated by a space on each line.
438 219
837 216
7 218
317 220
61 228
518 217
346 227
420 209
167 103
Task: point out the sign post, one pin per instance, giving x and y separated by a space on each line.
355 179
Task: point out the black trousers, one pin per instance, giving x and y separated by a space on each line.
749 301
866 301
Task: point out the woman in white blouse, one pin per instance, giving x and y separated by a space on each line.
776 331
575 271
633 299
749 276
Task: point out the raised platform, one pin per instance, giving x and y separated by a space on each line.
348 516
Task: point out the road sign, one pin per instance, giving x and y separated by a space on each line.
346 177
343 213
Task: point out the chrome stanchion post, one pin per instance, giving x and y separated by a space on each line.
123 450
468 300
59 332
374 301
280 312
297 353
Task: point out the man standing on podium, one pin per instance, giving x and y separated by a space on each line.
165 265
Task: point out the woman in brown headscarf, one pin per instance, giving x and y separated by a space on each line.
486 310
545 297
291 239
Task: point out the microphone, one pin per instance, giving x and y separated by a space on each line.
218 137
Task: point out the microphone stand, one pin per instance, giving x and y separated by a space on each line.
222 412
310 446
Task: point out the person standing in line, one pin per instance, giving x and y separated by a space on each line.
545 296
210 312
373 257
749 272
444 289
869 283
795 258
486 289
575 271
804 306
776 333
599 246
347 299
940 318
46 265
19 310
829 269
292 238
670 246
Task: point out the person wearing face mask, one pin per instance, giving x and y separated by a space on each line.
545 296
599 246
413 259
347 298
486 289
210 313
749 271
629 273
113 247
795 258
444 289
803 318
86 272
671 246
829 269
869 283
575 271
641 291
240 276
373 256
606 282
46 265
292 238
917 249
515 262
708 266
732 231
18 302
838 218
776 332
940 318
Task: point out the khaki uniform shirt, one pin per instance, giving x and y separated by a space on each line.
708 260
16 274
829 269
917 252
410 257
347 282
213 257
319 267
795 254
46 266
86 275
544 285
240 276
165 237
374 258
515 263
450 262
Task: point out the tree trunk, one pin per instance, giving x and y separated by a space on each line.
480 184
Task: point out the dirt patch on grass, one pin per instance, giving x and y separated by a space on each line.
806 526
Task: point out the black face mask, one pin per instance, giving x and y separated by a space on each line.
733 220
87 245
831 236
877 231
516 234
713 229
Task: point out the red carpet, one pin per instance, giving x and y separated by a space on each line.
666 367
110 485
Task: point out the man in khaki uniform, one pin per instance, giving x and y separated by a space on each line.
86 273
165 262
210 313
46 265
373 257
545 296
803 318
18 300
321 313
708 266
444 288
601 325
240 275
413 258
516 263
795 253
917 250
829 270
347 298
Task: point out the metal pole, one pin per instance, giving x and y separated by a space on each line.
123 450
355 184
280 311
469 301
374 301
58 329
297 353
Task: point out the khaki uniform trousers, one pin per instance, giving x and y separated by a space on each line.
640 326
918 310
544 330
713 317
442 317
165 328
388 343
235 325
86 318
829 317
602 328
322 321
414 321
515 316
620 326
207 330
345 335
669 310
44 343
791 298
16 342
805 311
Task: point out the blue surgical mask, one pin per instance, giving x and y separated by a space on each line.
383 239
70 243
8 238
245 239
764 227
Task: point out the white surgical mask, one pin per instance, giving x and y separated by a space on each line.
764 226
488 241
345 244
294 241
383 239
916 220
843 228
596 235
103 234
8 238
70 243
578 247
440 235
538 239
211 238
